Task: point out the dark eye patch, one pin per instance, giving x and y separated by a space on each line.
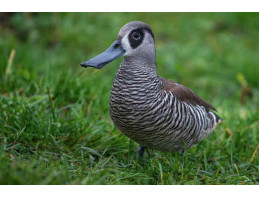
134 43
136 37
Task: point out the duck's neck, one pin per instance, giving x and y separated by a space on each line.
139 66
138 73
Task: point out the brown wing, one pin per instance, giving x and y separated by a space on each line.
184 94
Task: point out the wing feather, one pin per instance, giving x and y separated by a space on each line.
184 94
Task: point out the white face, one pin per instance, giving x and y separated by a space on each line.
126 45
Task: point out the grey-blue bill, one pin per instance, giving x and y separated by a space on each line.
113 52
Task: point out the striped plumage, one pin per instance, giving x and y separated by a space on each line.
156 113
153 117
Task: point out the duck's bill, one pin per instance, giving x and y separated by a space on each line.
113 52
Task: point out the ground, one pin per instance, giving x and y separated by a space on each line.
55 126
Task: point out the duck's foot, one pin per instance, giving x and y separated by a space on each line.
141 151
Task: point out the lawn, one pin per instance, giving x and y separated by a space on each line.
55 126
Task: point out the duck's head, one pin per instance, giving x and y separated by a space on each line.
135 40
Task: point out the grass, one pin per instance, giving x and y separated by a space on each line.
55 126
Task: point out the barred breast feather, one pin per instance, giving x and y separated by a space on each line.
146 111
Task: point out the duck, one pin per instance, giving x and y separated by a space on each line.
157 113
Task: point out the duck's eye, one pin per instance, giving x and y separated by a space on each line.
136 35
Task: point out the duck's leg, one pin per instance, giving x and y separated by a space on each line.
141 151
